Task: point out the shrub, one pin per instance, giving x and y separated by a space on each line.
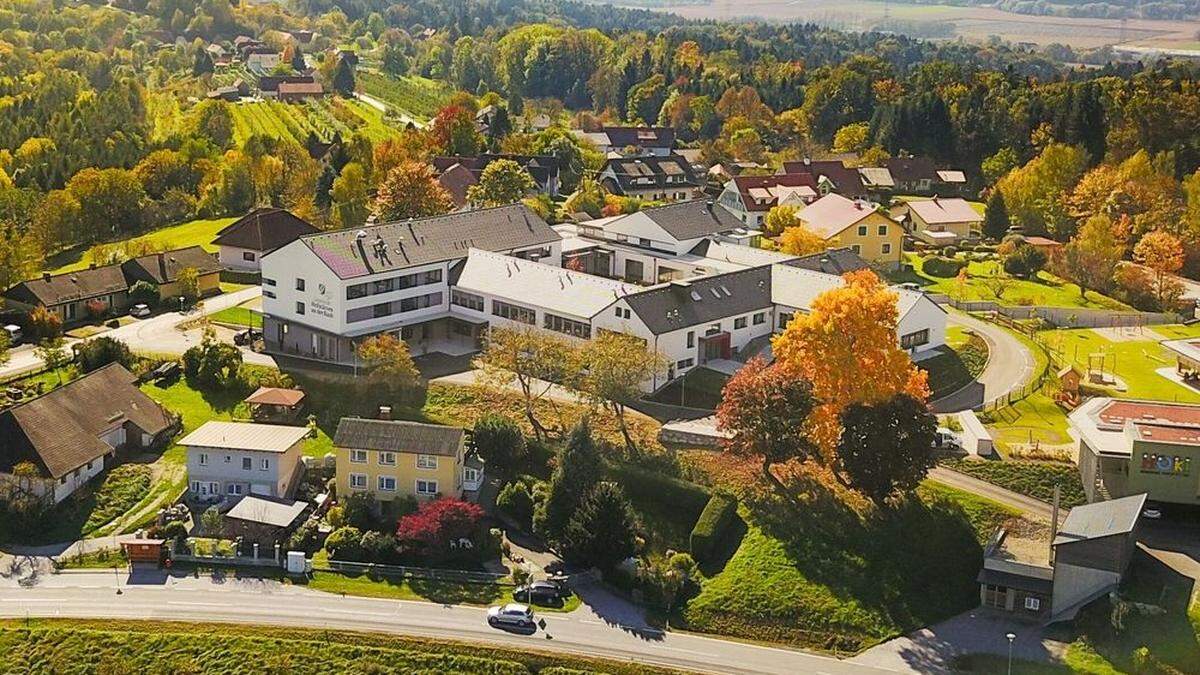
712 525
516 501
434 530
356 511
43 324
345 544
1024 261
304 538
174 530
99 352
336 517
378 547
499 441
938 266
950 251
143 293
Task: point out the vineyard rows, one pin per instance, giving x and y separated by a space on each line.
296 121
419 97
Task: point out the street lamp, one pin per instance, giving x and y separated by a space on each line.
1011 637
181 299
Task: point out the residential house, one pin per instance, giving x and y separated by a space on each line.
261 59
268 85
1050 579
857 224
391 459
73 296
877 179
228 460
458 180
543 169
323 291
162 270
1130 447
76 431
651 178
750 198
242 243
830 176
912 175
632 140
943 221
264 521
291 92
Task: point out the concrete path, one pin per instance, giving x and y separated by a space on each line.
1027 505
1010 366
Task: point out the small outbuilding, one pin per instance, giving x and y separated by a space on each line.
264 520
144 551
275 404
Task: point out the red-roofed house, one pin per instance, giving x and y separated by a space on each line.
751 197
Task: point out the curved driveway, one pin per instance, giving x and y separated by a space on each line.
1010 365
604 627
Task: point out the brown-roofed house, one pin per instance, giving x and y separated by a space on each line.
274 404
74 432
162 270
457 180
299 91
391 459
70 295
244 241
751 197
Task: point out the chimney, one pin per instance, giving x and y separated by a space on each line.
807 161
385 412
45 276
1053 523
935 199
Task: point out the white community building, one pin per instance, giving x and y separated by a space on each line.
686 278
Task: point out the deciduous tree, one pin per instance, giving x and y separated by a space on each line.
502 182
617 366
530 358
453 132
438 525
1092 254
388 363
1162 252
886 447
799 240
410 190
52 352
349 199
780 218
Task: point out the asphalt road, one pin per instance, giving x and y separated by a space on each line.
1010 365
603 627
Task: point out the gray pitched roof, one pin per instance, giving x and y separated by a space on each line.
164 268
831 261
429 240
56 289
1101 519
660 170
60 430
681 304
264 230
398 436
693 219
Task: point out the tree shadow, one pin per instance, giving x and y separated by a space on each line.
450 593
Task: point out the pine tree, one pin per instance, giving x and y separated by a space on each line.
603 531
995 219
578 470
343 78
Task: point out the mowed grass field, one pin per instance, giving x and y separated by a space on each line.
1046 290
191 233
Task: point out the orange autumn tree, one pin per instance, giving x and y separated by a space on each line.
846 346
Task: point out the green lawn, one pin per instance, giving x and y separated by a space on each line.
1036 479
108 646
1047 290
102 559
817 574
193 233
424 590
238 316
1133 361
962 360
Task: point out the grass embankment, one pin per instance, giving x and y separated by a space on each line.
961 361
103 559
62 646
825 571
442 592
1035 479
698 388
85 513
192 233
238 316
1047 289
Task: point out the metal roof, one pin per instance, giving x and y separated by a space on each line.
245 436
1101 519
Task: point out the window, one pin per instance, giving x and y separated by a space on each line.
685 363
246 463
883 230
299 284
427 461
269 294
995 596
299 307
886 249
234 489
856 248
514 313
468 300
204 459
248 256
691 339
387 484
471 474
862 230
387 458
265 465
358 481
358 456
268 282
567 326
760 318
739 322
624 313
1032 604
427 488
914 339
784 319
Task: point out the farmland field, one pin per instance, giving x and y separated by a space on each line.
418 96
295 121
971 23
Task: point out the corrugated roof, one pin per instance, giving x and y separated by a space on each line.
398 436
429 240
1101 519
267 510
245 436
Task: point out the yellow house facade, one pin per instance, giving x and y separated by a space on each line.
392 459
858 225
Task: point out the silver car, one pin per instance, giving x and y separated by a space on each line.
512 614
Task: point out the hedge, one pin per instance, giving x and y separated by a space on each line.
937 266
712 525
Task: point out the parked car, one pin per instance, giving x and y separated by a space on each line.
541 592
945 439
14 334
512 614
139 310
246 337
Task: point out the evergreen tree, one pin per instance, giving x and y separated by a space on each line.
324 185
343 78
603 531
579 469
298 63
995 218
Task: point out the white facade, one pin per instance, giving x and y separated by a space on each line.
235 258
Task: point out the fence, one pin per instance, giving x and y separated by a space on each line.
402 572
1063 317
1039 380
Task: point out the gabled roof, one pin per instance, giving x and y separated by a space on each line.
833 213
264 230
457 179
60 430
846 181
164 268
352 253
938 211
554 289
831 261
641 137
738 254
649 173
272 82
245 436
1101 519
877 176
398 436
543 169
760 193
692 219
692 302
301 88
56 289
911 168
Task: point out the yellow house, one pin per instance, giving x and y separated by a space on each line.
855 224
392 459
943 222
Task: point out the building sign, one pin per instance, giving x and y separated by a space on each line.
320 307
1166 464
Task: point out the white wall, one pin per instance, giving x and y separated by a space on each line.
231 257
1073 583
275 481
924 315
73 481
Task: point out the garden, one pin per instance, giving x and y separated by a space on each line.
296 122
1034 479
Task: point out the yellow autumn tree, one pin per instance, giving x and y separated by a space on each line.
846 346
800 240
